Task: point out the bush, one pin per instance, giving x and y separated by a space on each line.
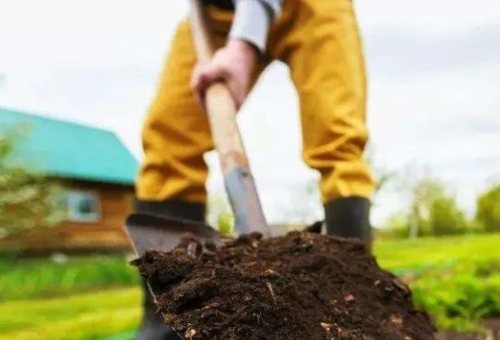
488 210
461 296
445 217
27 199
433 211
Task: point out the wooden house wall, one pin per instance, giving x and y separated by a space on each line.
105 234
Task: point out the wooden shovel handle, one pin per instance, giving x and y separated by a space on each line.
221 110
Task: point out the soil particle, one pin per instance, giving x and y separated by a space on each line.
295 287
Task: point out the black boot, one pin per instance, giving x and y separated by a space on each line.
349 217
172 208
152 327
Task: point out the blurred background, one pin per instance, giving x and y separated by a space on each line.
77 77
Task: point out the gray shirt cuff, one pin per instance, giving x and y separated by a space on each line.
251 23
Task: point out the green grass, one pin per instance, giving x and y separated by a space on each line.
30 278
90 316
430 252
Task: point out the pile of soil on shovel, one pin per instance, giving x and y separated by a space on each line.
301 286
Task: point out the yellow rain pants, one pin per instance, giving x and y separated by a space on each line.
319 41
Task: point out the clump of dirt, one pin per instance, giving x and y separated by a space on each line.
295 287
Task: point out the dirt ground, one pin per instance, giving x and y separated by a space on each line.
299 286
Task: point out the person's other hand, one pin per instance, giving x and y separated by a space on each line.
232 64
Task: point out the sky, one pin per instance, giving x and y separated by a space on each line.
434 75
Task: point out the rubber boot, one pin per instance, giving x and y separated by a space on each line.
152 327
349 217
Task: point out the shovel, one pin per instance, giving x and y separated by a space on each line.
147 232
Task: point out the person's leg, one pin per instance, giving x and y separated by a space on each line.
320 42
176 133
175 136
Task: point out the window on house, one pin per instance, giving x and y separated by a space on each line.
83 207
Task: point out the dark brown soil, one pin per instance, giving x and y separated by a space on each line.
301 286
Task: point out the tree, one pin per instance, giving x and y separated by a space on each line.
488 210
432 211
445 217
396 226
27 199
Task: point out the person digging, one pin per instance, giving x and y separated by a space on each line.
320 43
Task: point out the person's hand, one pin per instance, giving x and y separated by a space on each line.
232 64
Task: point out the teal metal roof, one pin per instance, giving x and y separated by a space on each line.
68 150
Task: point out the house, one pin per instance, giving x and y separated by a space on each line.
97 172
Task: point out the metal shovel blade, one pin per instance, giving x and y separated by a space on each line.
147 232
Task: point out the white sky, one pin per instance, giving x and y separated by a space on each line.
434 69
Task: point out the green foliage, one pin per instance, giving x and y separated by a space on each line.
461 296
27 199
219 211
488 210
220 215
225 224
433 211
397 226
455 278
445 217
60 275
